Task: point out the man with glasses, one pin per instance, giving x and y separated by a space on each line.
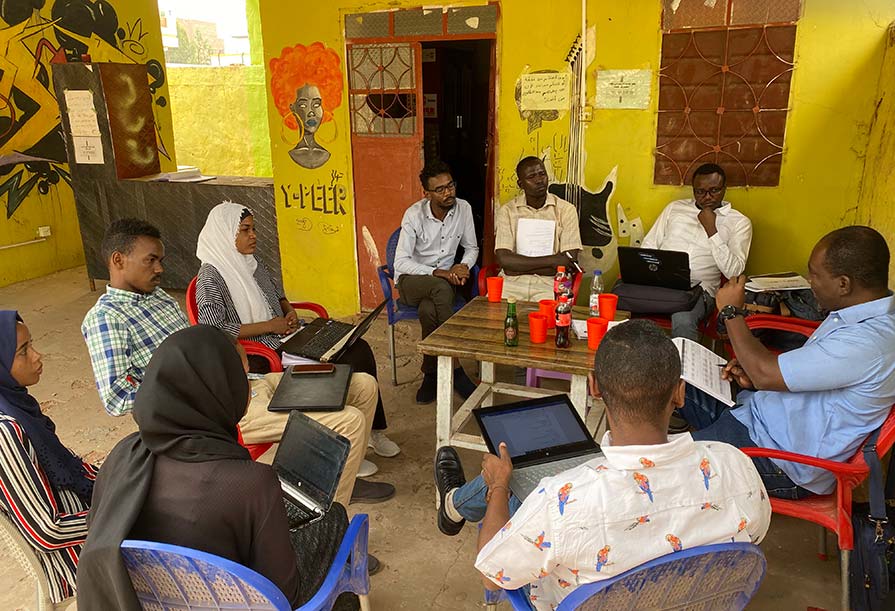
425 272
715 236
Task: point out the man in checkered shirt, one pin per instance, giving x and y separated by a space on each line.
134 315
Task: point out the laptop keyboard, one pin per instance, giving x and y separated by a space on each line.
325 339
529 477
296 515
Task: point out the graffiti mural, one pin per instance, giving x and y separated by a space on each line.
306 85
33 36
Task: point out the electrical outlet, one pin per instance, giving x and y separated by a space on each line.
587 114
44 231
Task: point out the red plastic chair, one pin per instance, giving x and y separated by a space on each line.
832 511
493 269
256 348
778 323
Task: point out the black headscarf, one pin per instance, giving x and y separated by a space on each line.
193 395
62 468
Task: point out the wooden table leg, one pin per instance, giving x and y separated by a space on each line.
578 395
488 378
444 401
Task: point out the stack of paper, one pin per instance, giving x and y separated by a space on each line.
702 368
786 281
580 327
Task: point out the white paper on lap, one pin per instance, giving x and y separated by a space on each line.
535 237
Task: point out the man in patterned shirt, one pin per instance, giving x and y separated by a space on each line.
134 315
648 495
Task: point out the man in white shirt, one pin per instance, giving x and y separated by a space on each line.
647 496
425 273
716 237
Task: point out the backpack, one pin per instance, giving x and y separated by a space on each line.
642 299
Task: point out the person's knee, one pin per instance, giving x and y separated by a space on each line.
363 391
351 424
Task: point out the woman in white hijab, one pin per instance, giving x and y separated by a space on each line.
240 295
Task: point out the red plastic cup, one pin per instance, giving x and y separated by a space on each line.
495 288
596 329
547 307
537 327
608 303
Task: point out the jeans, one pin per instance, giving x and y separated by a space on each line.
686 324
469 500
714 422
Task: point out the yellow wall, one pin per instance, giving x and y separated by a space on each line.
138 21
839 51
220 119
877 205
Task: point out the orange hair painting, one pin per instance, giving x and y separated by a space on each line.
299 65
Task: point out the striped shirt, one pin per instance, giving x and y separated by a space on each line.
122 331
54 522
216 307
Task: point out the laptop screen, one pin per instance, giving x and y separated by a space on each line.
311 458
532 428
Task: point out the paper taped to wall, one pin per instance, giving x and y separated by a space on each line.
81 112
545 91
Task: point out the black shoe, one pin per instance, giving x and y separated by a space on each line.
371 492
373 565
428 389
448 475
462 384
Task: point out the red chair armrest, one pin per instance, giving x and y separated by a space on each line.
846 473
318 309
487 270
273 359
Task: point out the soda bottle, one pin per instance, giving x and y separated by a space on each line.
559 282
511 325
596 288
563 322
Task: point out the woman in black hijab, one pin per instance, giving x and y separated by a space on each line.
183 479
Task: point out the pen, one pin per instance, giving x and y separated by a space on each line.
575 263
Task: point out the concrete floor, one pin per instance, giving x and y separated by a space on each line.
423 568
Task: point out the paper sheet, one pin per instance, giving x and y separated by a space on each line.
787 281
534 237
580 327
700 367
88 149
291 359
81 112
545 91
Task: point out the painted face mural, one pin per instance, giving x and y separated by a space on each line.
306 84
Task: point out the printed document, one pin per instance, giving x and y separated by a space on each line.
534 237
702 368
787 281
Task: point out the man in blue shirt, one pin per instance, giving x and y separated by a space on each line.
425 273
824 398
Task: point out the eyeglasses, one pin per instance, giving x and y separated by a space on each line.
703 192
442 189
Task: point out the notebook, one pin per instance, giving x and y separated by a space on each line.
544 436
309 463
668 269
312 393
325 340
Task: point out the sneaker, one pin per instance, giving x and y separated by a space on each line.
373 565
448 475
371 492
382 445
463 386
426 393
367 469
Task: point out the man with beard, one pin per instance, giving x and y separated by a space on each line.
425 273
530 277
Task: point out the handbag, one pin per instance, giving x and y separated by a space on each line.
872 567
642 299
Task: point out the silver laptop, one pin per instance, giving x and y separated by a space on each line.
544 437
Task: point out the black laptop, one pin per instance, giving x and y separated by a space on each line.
309 463
325 340
325 392
544 436
668 269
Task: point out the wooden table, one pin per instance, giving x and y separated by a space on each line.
476 332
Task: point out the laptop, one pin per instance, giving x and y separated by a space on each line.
545 436
309 463
668 269
326 340
312 393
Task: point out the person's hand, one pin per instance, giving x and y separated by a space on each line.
497 470
278 326
733 370
707 219
733 293
461 271
291 320
448 275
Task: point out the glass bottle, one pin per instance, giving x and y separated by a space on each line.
511 324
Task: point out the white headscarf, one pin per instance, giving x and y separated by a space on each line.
217 247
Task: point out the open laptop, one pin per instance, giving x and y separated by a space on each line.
668 269
544 436
309 463
325 340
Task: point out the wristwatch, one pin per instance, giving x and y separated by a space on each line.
731 311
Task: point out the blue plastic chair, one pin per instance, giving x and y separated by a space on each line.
722 576
172 577
398 311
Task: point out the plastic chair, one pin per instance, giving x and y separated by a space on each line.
832 511
397 311
722 576
172 577
19 547
778 323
